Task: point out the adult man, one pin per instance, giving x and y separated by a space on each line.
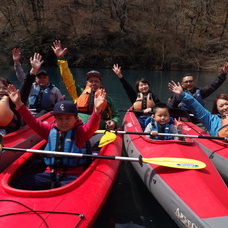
41 94
189 85
110 115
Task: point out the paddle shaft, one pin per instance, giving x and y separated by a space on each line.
167 134
79 155
163 161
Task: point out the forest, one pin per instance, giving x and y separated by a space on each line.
137 34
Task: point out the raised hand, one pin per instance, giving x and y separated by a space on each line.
16 53
117 70
99 100
58 50
14 95
36 62
224 69
175 88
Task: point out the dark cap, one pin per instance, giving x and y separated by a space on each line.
65 107
41 72
93 73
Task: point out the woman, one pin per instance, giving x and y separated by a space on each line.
143 100
216 123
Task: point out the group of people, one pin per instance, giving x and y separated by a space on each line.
91 109
186 96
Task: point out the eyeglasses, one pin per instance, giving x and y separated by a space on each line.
189 81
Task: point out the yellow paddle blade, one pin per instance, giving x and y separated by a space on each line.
107 138
181 163
100 131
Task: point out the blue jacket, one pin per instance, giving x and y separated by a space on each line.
68 145
196 95
168 128
211 121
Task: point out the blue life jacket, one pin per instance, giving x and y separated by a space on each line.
40 98
166 129
68 145
197 96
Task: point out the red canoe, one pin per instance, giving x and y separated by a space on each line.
192 198
74 205
216 150
22 138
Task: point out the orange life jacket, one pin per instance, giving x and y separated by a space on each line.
143 102
85 101
6 114
223 131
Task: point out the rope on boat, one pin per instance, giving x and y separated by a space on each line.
30 210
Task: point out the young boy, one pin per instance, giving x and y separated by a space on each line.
68 134
161 123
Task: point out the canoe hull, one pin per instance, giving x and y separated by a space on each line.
22 138
216 150
74 205
186 195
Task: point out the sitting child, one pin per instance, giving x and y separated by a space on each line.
161 122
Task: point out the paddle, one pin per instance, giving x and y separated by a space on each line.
166 134
132 110
181 163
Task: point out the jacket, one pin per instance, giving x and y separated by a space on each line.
211 121
75 91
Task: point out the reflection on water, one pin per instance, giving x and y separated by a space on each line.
131 205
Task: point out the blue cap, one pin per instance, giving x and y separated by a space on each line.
65 107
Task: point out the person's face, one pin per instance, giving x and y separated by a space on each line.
65 122
3 89
188 83
42 80
143 87
94 83
161 116
222 106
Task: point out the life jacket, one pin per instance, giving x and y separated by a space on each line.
162 129
223 131
143 101
63 142
6 114
40 98
196 95
85 101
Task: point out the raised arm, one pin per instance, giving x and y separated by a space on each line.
65 72
36 62
132 95
212 87
16 54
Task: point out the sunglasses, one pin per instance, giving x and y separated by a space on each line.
189 81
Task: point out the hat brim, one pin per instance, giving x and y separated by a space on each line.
65 113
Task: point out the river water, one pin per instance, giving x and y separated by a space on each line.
130 204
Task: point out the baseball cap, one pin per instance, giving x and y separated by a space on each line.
93 73
65 107
41 72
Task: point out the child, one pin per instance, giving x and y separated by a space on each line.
59 137
161 123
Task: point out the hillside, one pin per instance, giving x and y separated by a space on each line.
143 34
